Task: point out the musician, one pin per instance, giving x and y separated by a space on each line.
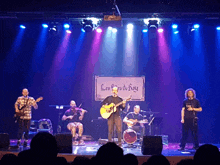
25 104
191 106
132 119
74 116
115 119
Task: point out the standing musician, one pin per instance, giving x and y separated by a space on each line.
115 119
24 103
189 118
74 116
133 121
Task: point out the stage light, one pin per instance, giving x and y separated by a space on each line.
99 30
160 30
130 26
22 26
196 26
114 30
45 25
66 26
87 25
68 31
152 22
53 28
109 28
83 30
218 28
176 32
145 30
174 26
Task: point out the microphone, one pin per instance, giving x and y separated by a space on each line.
142 111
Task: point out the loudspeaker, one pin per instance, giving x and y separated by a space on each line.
64 143
152 145
4 140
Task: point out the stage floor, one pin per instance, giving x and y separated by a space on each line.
91 147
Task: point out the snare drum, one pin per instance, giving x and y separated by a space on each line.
130 136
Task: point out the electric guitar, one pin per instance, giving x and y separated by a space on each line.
17 115
107 110
135 121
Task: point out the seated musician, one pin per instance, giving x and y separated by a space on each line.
74 116
134 121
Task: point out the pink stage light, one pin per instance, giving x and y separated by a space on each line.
160 30
68 31
99 30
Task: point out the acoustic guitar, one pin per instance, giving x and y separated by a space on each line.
135 121
107 110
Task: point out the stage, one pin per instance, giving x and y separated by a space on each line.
91 147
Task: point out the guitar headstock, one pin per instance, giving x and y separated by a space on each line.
39 99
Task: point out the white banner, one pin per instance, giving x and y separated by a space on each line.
134 86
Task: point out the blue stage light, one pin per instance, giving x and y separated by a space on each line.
114 30
66 26
83 30
45 25
218 28
22 26
176 32
196 26
145 30
174 26
130 26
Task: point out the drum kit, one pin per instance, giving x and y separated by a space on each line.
130 135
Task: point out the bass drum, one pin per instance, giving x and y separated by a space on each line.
130 136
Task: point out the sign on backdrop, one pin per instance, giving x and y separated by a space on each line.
134 86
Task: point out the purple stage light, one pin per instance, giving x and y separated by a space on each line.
160 30
99 30
68 31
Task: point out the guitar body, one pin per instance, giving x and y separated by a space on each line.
107 110
135 121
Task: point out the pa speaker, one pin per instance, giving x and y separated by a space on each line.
64 143
152 145
4 140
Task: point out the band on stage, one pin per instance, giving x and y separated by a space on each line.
111 108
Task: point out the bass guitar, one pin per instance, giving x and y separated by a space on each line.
107 110
17 115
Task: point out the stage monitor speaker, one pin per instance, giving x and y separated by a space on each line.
152 145
4 140
64 143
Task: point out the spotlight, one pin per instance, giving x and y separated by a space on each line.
66 26
130 26
144 30
196 26
45 25
114 30
174 26
176 32
99 30
160 30
152 22
83 30
109 28
68 31
22 26
218 28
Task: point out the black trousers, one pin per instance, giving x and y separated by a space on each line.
114 120
192 125
23 126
